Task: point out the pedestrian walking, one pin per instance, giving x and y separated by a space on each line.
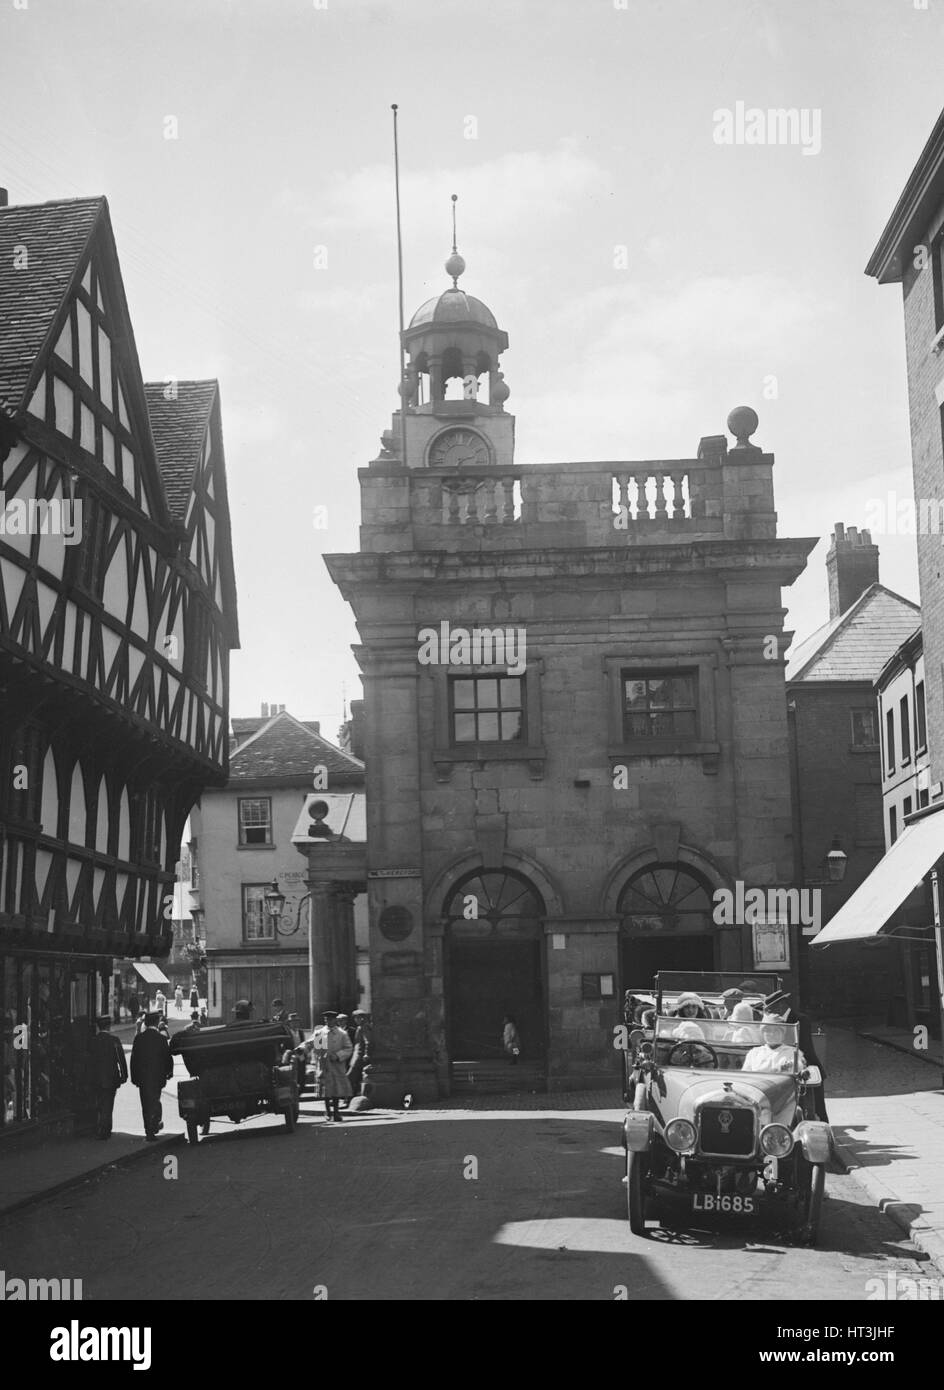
178 1000
331 1050
511 1039
194 998
160 1003
108 1071
134 1008
151 1066
361 1055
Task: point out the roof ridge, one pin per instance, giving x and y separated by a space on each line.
55 202
842 621
310 733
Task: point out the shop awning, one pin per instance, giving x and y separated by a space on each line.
894 878
150 973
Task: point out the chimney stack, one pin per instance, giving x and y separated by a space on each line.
851 566
4 198
265 709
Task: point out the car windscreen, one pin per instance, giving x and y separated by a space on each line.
734 1046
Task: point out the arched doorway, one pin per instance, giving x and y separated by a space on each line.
493 965
665 923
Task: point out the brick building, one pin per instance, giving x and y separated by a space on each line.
836 761
575 723
910 252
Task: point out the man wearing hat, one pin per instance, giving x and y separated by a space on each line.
151 1066
778 1006
242 1011
361 1057
331 1049
729 999
108 1071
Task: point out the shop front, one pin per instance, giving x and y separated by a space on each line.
49 1005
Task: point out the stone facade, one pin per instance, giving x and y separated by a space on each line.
666 574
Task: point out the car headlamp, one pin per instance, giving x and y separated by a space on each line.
776 1140
680 1136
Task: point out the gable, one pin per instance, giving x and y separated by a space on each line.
856 645
86 386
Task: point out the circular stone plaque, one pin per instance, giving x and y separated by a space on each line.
396 923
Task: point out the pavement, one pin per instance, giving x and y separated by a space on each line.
886 1106
885 1102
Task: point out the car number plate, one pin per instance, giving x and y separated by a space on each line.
708 1201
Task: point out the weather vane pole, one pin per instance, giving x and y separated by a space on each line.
396 180
454 199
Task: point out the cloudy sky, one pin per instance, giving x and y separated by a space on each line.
568 128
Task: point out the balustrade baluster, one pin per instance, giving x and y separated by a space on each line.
508 500
453 517
489 487
661 509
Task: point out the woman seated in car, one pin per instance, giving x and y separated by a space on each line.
774 1054
689 1005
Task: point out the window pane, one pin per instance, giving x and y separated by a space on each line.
685 724
637 726
681 691
463 694
635 694
510 727
488 728
662 725
465 728
660 693
487 694
511 693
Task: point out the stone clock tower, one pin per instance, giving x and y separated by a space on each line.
453 392
548 829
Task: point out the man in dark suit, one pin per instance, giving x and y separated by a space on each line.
778 1006
108 1070
151 1066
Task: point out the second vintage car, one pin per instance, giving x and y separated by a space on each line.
722 1122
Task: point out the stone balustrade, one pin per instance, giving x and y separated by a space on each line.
569 504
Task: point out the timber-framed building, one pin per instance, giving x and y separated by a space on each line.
117 616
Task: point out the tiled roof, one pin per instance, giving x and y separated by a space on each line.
243 727
179 427
285 748
856 645
53 235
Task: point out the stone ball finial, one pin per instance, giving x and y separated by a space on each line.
742 422
408 387
455 266
500 390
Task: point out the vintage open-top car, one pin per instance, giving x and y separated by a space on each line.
237 1070
722 1119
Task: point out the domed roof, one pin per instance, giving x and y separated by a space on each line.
453 306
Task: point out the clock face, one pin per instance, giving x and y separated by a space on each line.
457 447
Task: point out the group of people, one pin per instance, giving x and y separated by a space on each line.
151 1067
340 1051
775 1010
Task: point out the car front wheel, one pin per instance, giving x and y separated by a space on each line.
636 1166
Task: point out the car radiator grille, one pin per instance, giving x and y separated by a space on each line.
726 1130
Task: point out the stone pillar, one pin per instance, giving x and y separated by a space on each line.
320 984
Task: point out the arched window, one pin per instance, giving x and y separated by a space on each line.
494 902
667 898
